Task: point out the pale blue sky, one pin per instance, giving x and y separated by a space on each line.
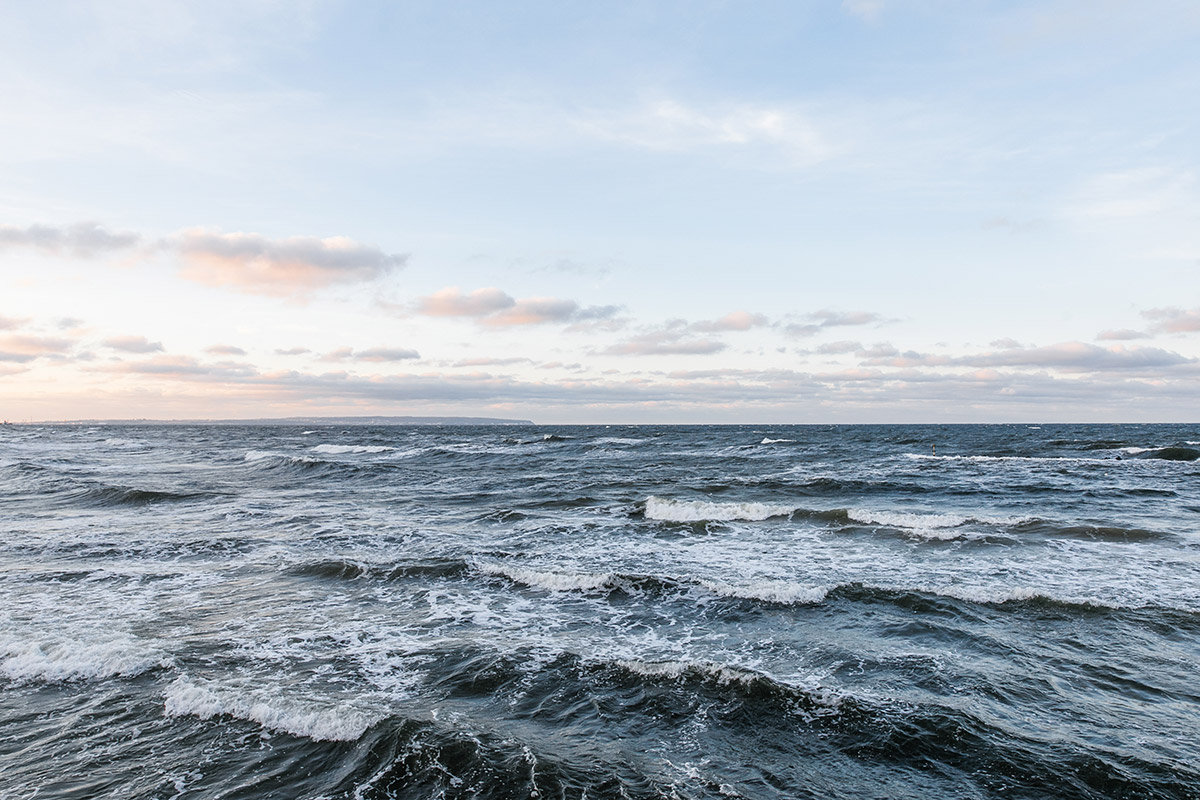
914 210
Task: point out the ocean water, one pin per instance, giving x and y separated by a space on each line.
600 612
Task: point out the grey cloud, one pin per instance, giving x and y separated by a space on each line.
535 311
69 323
377 354
22 349
1175 320
81 239
819 320
386 354
10 323
452 302
1007 343
671 340
734 321
491 362
496 308
225 350
1123 334
1065 356
133 344
292 351
834 348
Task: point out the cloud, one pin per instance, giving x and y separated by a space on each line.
491 362
225 350
81 239
788 135
11 323
253 263
1065 356
671 340
1122 334
734 321
819 320
377 354
868 10
1175 320
133 344
451 302
835 348
292 351
493 307
22 349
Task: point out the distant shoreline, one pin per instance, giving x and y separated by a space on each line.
294 421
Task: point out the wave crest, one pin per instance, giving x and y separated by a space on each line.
186 698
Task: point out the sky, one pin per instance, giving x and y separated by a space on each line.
811 211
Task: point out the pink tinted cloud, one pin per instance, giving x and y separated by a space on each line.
253 263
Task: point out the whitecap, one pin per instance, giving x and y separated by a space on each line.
319 723
775 441
53 661
668 510
770 591
339 449
552 581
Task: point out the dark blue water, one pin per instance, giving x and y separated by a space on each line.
594 612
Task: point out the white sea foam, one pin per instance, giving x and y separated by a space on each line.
339 449
927 525
776 441
666 509
549 580
264 455
1013 459
53 661
203 700
722 673
617 440
771 591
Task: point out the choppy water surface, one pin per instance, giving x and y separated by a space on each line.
675 612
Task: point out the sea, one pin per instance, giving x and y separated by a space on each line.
604 612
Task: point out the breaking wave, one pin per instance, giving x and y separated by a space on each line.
317 722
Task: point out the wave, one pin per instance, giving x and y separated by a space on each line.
776 441
319 723
617 440
113 496
926 525
56 661
1171 454
339 449
746 680
267 455
586 582
350 570
668 510
785 593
